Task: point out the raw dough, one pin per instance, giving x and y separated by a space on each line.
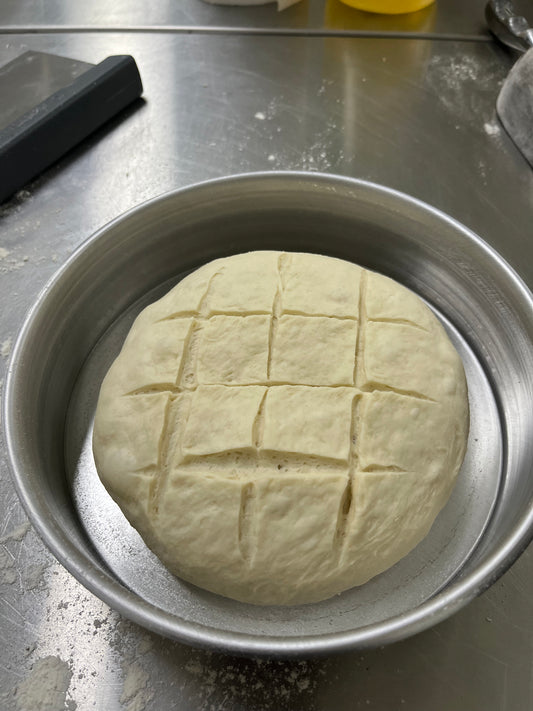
281 427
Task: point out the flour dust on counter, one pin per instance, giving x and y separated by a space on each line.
492 127
16 203
45 687
136 692
13 264
8 558
5 347
17 533
8 572
465 85
204 680
13 567
231 684
34 577
76 628
324 153
132 647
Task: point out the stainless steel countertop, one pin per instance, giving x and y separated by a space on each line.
446 17
417 115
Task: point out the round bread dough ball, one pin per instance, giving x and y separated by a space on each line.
281 427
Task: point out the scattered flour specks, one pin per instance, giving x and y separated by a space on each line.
465 85
491 128
12 264
4 253
34 576
5 347
260 116
8 573
30 649
145 645
17 534
136 693
46 686
257 684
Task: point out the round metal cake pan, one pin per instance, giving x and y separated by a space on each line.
76 327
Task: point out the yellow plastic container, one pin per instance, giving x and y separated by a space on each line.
389 7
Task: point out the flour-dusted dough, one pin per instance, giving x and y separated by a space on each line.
281 427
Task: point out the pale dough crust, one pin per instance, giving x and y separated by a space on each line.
281 427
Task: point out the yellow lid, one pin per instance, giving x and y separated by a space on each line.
390 7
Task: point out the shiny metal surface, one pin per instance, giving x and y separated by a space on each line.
376 228
515 104
455 17
509 27
416 116
32 78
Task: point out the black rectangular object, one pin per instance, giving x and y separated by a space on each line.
43 133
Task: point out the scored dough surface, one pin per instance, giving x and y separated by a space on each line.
281 427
